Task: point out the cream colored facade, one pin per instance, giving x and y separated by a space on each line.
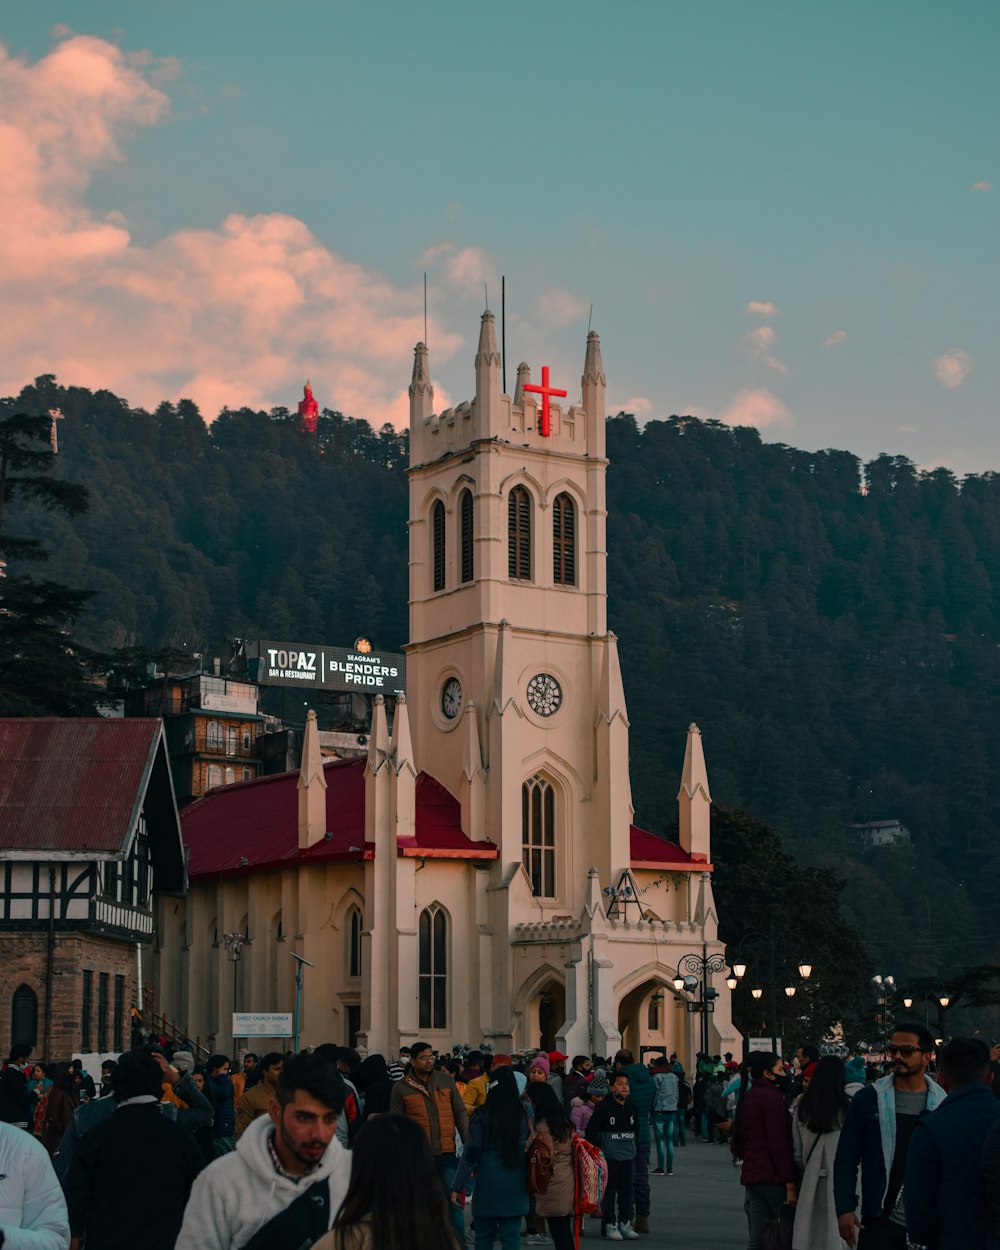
515 705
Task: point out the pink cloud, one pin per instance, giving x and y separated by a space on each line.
760 339
758 407
761 308
838 336
982 186
561 307
239 314
952 368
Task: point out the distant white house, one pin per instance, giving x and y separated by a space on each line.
877 833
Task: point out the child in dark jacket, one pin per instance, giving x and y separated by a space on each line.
613 1128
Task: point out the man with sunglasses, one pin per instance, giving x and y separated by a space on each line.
876 1135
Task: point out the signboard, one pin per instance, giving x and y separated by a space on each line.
262 1024
214 702
763 1043
357 670
701 1008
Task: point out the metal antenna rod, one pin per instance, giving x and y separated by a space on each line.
503 330
590 319
425 308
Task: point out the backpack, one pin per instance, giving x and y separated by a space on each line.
539 1151
590 1174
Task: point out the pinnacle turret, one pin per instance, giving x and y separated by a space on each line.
486 352
421 390
523 376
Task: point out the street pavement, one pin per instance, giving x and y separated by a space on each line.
700 1207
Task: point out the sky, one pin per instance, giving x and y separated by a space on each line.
783 213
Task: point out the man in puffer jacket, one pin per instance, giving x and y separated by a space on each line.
32 1207
642 1092
282 1186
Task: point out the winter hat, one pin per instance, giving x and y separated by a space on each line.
183 1061
541 1061
598 1087
522 1082
556 1056
854 1071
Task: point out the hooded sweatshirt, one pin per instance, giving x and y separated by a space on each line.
237 1194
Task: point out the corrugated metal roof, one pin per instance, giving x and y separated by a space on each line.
257 822
651 851
73 785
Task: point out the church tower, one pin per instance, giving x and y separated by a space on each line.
509 646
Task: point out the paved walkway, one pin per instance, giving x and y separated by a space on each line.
700 1207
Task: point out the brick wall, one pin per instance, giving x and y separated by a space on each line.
23 962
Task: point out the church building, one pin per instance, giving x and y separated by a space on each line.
478 876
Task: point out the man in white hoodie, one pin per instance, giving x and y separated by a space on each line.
283 1185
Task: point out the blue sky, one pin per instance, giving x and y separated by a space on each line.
783 213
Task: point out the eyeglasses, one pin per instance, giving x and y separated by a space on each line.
904 1051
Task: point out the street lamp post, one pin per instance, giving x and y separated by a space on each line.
885 988
767 944
692 971
233 942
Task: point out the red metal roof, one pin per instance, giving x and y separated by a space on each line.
651 851
73 785
253 825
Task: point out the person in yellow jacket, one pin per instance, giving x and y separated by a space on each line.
474 1094
258 1098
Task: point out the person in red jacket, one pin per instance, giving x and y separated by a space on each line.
762 1138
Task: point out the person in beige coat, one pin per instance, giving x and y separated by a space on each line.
817 1117
556 1204
257 1099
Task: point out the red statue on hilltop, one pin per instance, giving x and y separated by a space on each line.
308 411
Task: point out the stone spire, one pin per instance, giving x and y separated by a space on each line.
473 784
487 378
694 800
421 391
311 787
594 385
523 375
403 782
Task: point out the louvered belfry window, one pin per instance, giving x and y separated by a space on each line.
564 541
437 535
519 534
465 535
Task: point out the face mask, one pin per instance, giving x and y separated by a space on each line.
781 1081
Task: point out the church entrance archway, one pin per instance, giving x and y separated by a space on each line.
648 1020
543 1012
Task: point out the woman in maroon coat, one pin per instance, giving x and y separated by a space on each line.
762 1138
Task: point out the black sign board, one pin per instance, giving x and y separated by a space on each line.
305 665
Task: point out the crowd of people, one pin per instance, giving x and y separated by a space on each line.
327 1149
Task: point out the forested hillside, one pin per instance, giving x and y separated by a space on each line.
832 627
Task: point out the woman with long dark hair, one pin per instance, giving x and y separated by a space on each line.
495 1156
394 1200
552 1122
817 1117
762 1138
60 1107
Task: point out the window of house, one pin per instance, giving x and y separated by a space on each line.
247 740
102 1011
433 977
230 776
111 880
86 1010
538 835
119 1024
214 777
465 535
354 943
437 539
231 737
519 534
564 541
24 1016
248 774
215 736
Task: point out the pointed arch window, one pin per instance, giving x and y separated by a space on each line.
433 978
519 534
437 541
354 942
465 535
538 835
24 1016
564 540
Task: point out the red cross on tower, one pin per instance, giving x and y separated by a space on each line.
545 391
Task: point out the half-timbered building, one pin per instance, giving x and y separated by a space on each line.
89 832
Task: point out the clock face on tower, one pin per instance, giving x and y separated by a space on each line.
544 694
451 698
